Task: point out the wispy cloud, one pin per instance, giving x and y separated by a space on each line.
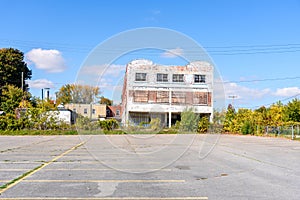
247 95
172 53
153 15
49 60
287 92
243 92
40 83
104 70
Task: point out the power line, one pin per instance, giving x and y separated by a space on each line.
214 50
260 80
281 100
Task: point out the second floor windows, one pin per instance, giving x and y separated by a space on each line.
140 76
178 78
162 78
199 78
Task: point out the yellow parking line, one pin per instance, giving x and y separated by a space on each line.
29 173
106 181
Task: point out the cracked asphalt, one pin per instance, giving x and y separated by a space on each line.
149 167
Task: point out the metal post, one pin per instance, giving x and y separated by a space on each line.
170 107
292 132
22 80
170 119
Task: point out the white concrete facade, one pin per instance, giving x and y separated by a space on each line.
151 90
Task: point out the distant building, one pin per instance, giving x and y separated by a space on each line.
63 115
92 111
60 115
114 112
158 91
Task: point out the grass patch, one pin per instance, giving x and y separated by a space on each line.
38 132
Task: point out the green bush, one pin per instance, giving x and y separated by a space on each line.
38 132
155 124
203 125
113 132
247 128
189 120
109 124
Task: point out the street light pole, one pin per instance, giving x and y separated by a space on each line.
232 97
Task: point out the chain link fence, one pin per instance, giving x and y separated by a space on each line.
290 131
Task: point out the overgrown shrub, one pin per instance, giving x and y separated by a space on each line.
247 128
84 123
155 124
203 125
109 124
189 120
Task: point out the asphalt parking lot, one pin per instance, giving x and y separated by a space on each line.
149 167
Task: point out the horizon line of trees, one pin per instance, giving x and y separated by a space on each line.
247 121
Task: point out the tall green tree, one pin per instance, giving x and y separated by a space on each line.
292 110
11 67
189 120
11 98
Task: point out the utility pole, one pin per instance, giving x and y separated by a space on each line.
22 81
22 85
232 97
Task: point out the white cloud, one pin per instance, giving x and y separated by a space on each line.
172 53
243 92
287 92
48 60
104 70
40 83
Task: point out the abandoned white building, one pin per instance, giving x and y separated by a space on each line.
158 91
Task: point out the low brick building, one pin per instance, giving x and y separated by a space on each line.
92 111
114 112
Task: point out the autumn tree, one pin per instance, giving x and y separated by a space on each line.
11 67
74 93
275 114
228 125
105 101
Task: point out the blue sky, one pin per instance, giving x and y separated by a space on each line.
254 44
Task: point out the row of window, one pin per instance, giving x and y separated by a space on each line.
85 111
177 78
176 97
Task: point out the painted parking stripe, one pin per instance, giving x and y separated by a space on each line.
106 181
29 173
113 198
99 169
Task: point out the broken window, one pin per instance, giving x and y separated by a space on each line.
140 96
200 98
178 97
162 97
